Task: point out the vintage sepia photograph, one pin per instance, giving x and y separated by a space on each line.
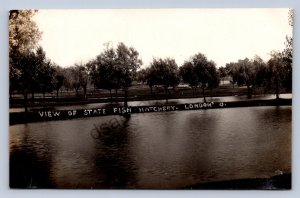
151 99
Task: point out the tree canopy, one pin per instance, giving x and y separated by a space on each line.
23 37
200 72
115 68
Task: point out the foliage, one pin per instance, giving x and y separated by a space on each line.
23 31
78 77
141 75
222 72
247 72
23 38
279 72
214 79
115 68
126 64
59 78
200 72
163 72
189 75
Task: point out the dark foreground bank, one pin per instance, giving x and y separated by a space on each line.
50 115
279 182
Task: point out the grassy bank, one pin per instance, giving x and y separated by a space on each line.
136 93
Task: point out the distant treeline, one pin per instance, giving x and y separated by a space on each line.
116 68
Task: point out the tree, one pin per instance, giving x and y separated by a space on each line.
203 71
103 72
91 69
260 68
276 72
200 72
232 70
59 79
141 76
36 74
288 55
247 72
68 78
280 65
23 32
23 38
222 73
44 71
151 78
214 77
26 79
80 78
189 76
30 71
127 63
163 72
116 68
246 75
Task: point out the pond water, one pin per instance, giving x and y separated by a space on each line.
153 150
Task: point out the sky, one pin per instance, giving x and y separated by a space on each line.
223 35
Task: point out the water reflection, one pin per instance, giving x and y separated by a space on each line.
153 150
27 165
113 160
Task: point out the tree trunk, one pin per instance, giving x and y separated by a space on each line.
126 97
110 96
203 92
25 100
151 90
57 91
166 94
249 90
277 89
76 90
193 91
84 92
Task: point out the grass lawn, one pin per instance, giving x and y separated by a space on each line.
136 93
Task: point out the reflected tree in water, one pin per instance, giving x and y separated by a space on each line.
112 161
30 165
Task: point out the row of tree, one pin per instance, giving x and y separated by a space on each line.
275 74
197 72
36 74
115 69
